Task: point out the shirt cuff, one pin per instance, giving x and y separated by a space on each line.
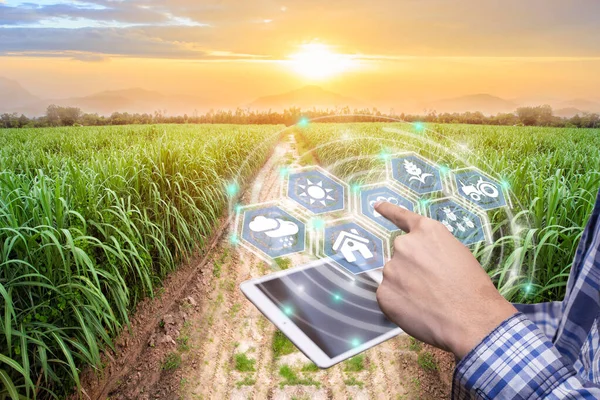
516 360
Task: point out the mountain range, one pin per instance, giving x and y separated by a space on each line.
484 103
307 97
15 98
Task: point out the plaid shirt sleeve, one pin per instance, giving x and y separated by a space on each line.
546 316
518 361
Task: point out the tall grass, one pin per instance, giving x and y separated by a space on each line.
91 220
553 175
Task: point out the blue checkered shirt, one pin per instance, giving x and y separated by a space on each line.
548 350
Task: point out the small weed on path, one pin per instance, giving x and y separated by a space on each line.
217 269
310 367
283 262
355 364
417 382
291 378
282 345
415 345
171 362
247 381
354 382
427 361
243 363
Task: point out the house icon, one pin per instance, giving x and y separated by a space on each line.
348 243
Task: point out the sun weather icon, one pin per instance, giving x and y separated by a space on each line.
416 174
465 225
316 192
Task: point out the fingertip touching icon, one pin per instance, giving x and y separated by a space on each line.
350 231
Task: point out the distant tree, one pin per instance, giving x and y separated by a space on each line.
575 121
91 120
62 116
52 115
505 119
590 120
69 116
23 121
117 118
540 115
57 116
10 120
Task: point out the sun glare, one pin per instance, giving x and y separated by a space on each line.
317 61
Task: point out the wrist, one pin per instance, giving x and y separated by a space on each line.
470 334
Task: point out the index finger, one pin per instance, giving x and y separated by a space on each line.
401 217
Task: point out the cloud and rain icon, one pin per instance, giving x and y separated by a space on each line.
276 228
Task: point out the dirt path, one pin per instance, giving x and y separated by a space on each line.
209 342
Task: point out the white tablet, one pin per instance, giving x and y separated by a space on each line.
328 313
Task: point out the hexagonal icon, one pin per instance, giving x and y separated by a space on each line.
370 195
353 247
316 192
273 231
465 225
478 189
417 174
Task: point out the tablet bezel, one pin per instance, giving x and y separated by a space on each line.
291 330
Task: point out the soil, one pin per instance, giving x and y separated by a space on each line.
183 343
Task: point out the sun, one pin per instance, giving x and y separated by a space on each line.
317 61
315 192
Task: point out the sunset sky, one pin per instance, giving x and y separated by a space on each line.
233 51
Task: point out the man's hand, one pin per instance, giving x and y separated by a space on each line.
434 289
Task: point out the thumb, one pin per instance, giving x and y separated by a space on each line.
401 217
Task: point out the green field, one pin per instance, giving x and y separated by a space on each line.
92 219
553 175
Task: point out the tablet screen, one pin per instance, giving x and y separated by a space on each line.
336 311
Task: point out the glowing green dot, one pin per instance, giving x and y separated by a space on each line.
284 171
355 342
233 239
238 208
303 123
232 189
337 297
317 223
419 126
528 288
444 169
505 184
385 155
288 310
355 188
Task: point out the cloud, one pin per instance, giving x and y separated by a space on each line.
74 55
235 29
263 224
95 43
125 13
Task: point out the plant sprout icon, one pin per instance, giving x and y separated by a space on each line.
416 172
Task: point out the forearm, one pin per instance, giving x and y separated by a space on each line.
517 360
